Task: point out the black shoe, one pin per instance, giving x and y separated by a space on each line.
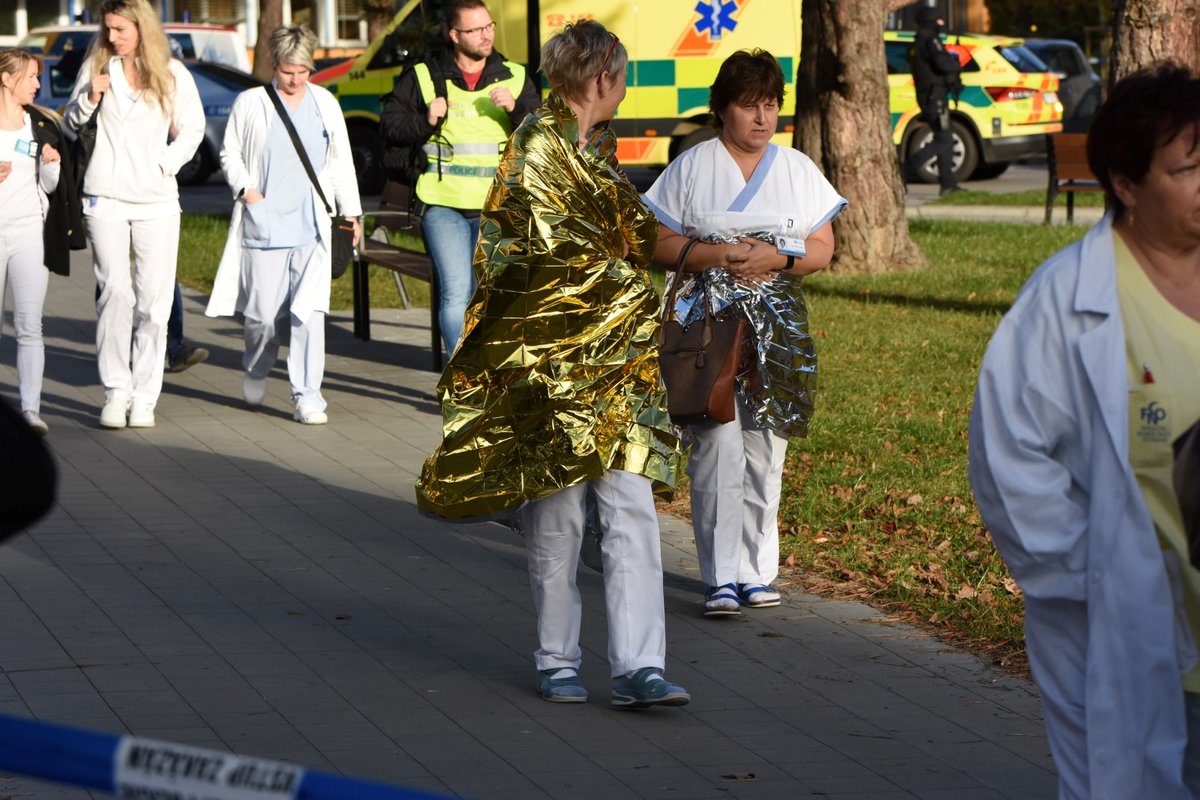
945 190
187 356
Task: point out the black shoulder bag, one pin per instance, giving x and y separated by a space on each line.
404 164
83 146
342 229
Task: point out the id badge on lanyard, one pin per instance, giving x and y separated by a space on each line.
788 240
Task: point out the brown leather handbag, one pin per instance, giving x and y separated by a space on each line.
699 363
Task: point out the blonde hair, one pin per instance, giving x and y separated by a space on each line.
13 60
153 56
292 45
573 58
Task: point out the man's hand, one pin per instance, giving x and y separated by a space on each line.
437 110
503 98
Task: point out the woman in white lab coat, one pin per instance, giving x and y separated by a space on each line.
1089 387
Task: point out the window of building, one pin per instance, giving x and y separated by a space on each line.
217 12
351 25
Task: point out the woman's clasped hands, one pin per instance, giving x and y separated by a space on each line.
751 260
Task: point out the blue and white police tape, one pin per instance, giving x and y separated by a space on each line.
147 769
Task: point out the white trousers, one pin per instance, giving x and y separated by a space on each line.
1056 642
633 589
736 471
270 279
21 267
135 303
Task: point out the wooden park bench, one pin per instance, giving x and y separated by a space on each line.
376 249
1067 165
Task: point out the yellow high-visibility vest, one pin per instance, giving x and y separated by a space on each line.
464 154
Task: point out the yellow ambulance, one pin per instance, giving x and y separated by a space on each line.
675 48
1008 103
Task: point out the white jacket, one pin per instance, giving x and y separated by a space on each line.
133 161
241 160
1049 464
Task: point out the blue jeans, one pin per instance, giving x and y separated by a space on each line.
450 241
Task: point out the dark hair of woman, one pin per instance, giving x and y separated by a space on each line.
746 76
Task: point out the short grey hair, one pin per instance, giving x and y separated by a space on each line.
292 44
573 57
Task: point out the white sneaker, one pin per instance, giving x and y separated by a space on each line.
35 422
307 415
114 413
141 415
254 390
722 601
758 595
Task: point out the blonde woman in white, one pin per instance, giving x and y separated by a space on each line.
39 214
277 263
150 123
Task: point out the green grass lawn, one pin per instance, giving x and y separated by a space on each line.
1029 197
202 239
876 500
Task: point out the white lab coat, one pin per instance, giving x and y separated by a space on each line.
241 160
1049 464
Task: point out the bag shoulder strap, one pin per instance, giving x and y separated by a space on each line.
291 129
669 305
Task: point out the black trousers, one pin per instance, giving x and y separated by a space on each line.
937 115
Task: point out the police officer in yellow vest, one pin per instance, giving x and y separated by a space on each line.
486 97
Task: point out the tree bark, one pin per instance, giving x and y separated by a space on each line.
270 17
379 14
1149 31
843 124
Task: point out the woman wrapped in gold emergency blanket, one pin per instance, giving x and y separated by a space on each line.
552 402
556 379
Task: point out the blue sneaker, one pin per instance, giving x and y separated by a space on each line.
647 687
560 690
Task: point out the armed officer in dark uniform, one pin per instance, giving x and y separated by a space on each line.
936 75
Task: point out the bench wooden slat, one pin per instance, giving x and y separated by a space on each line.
1068 170
399 260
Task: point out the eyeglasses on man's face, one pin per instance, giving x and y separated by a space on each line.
482 29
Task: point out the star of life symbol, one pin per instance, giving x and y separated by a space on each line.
716 17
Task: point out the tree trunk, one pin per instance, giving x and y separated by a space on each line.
843 124
379 14
1147 31
270 17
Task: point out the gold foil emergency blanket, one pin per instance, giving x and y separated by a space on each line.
780 391
556 378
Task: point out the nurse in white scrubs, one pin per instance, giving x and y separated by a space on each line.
763 215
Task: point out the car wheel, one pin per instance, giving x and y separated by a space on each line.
366 146
966 152
196 171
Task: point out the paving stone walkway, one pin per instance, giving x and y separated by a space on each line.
232 579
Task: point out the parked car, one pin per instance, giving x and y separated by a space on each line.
1078 84
1009 102
217 43
218 86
